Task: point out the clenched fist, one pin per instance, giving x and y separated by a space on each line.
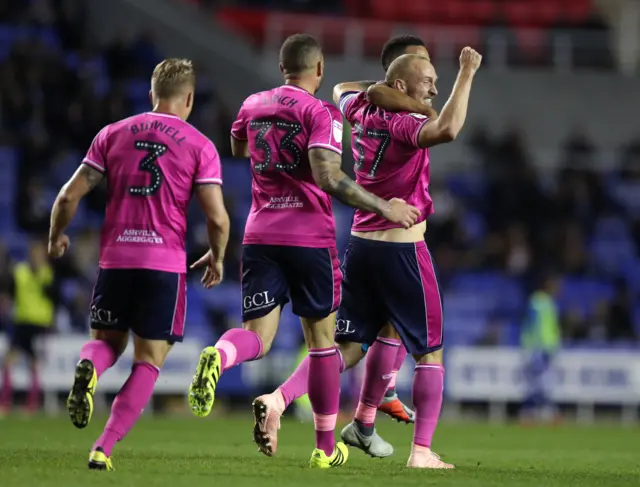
470 59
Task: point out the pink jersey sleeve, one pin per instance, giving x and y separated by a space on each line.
239 127
209 169
351 102
406 127
326 128
97 154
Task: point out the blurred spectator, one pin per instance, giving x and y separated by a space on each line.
519 257
619 314
34 292
6 270
540 341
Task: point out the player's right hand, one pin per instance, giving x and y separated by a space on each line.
213 270
470 59
58 246
400 212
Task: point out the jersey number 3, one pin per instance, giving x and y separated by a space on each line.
148 164
291 129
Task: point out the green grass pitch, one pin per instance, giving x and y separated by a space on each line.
218 452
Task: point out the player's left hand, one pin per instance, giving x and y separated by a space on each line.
213 270
58 246
400 212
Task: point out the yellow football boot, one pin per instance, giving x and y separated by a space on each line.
319 458
80 400
99 461
202 391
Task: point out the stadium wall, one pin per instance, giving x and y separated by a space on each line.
584 378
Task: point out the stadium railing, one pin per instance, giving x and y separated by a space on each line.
358 38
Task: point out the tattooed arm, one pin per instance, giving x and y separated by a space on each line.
328 175
64 208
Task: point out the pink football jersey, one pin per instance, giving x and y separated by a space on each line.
388 161
151 162
281 125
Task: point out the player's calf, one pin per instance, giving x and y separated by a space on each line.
323 382
428 385
391 404
148 357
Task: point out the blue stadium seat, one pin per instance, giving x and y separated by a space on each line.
138 91
48 36
465 331
611 255
474 226
7 221
583 295
468 186
611 228
8 157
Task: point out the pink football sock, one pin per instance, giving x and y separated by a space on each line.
428 385
324 394
378 365
237 346
402 354
296 385
100 354
128 405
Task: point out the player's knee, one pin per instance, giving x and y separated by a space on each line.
153 352
318 333
388 331
352 353
265 327
430 358
117 340
266 334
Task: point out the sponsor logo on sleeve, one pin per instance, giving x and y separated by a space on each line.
337 131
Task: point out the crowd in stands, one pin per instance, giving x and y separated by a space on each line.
495 230
58 88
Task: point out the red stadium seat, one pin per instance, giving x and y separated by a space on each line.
384 9
577 11
482 11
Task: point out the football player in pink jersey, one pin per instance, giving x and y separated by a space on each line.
401 289
152 163
294 141
388 347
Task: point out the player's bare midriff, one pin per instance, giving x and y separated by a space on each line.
397 235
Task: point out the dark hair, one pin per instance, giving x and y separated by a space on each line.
395 47
298 53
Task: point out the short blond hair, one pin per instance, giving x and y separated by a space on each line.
172 76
